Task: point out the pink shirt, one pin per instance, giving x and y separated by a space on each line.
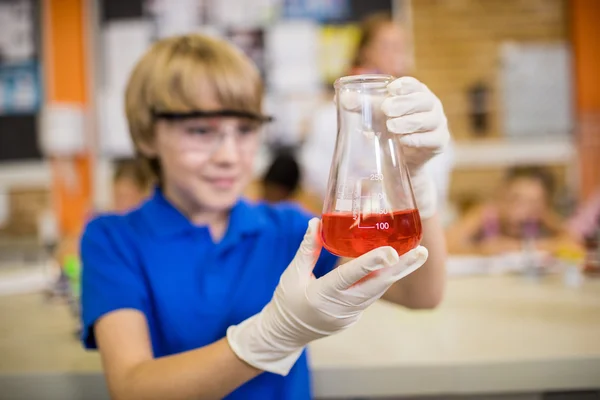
585 220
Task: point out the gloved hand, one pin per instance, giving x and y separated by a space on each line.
304 308
417 114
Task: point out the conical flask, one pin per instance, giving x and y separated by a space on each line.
369 201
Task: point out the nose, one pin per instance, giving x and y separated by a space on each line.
227 152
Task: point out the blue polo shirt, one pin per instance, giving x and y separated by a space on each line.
189 288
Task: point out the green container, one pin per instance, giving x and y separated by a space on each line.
72 269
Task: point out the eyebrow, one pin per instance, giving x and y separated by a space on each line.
178 115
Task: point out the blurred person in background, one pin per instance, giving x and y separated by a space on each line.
201 294
522 211
382 49
282 178
586 219
132 183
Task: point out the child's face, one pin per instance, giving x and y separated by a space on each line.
207 162
524 200
127 195
386 52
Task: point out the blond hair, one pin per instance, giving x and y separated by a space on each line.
187 73
135 171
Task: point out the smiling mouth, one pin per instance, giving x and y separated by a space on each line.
223 183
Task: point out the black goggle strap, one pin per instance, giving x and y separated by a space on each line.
175 115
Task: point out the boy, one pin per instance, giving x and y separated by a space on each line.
198 293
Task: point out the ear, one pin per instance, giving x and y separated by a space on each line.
148 149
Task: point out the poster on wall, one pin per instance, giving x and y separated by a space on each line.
536 93
175 18
292 53
125 41
20 89
337 45
318 10
17 43
251 41
236 13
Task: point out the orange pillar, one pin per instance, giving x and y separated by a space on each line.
585 35
66 87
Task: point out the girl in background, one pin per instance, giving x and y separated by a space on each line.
382 47
522 211
586 219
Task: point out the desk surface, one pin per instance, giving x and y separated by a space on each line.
491 334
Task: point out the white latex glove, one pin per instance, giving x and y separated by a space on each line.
417 114
304 308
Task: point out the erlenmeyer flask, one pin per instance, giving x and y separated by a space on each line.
369 202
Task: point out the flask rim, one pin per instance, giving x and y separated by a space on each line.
360 82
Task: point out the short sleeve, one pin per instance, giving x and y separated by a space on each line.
327 261
110 278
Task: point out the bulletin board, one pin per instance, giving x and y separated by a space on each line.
536 88
300 46
20 79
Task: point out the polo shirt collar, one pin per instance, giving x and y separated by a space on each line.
166 220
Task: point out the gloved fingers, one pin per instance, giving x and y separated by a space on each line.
355 101
364 293
397 106
349 273
381 281
436 140
354 297
310 248
349 100
406 85
414 123
325 297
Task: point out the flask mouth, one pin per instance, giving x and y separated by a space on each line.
363 83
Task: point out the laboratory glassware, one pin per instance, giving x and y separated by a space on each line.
369 201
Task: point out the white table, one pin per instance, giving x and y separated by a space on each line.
491 335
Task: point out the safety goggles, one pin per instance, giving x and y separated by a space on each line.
206 131
183 115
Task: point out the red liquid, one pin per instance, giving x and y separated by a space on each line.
344 236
